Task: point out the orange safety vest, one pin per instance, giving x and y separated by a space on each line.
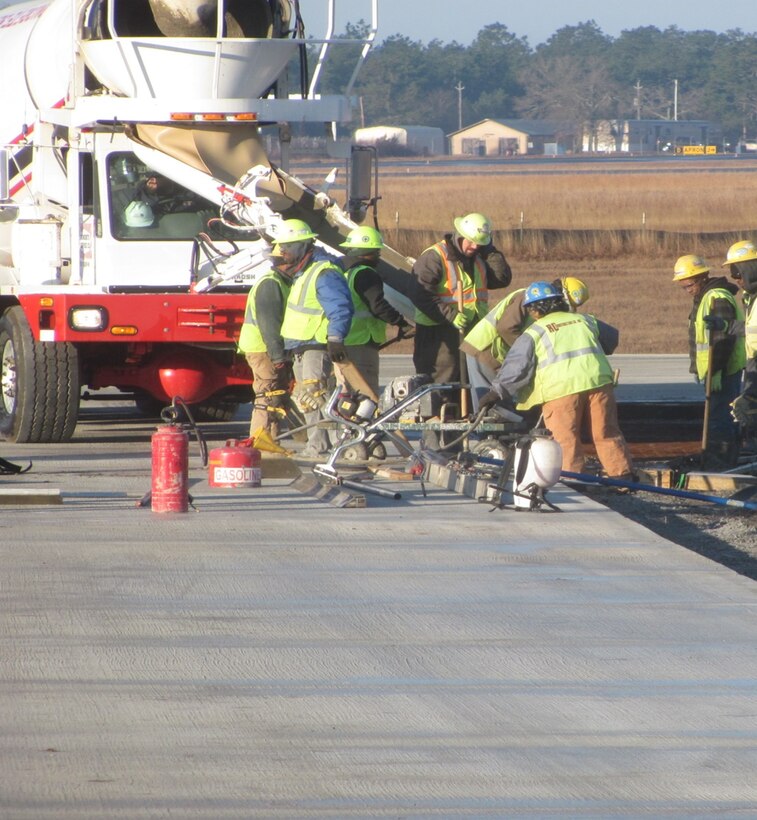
475 293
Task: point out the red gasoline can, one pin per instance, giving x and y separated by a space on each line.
170 470
235 465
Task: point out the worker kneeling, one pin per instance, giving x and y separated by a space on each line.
560 363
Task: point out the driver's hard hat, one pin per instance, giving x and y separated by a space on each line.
538 291
742 251
575 291
688 266
366 238
294 230
475 228
138 214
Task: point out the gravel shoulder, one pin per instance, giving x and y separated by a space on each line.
723 534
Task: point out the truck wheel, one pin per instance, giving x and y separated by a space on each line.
214 410
208 410
39 384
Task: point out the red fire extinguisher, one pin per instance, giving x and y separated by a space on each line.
235 465
170 469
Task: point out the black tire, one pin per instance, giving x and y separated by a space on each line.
41 384
217 410
205 411
377 450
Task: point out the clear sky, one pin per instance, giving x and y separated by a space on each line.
448 20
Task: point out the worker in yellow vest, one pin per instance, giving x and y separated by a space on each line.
741 261
486 346
372 311
715 350
316 322
457 273
262 344
559 362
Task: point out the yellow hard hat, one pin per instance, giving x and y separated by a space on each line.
365 238
689 266
741 251
575 291
294 230
475 228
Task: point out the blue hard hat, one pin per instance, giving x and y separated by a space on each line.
538 291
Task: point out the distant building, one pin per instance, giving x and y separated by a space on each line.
652 136
507 138
415 139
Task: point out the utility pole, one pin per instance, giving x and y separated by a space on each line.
637 99
459 88
675 99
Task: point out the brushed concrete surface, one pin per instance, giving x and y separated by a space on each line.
270 655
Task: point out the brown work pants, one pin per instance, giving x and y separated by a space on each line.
564 419
263 380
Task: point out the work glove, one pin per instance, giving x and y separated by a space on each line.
337 351
744 410
488 400
460 321
404 329
310 395
716 385
284 375
715 323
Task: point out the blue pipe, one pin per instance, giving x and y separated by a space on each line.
649 488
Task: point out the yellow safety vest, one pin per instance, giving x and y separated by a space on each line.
737 359
475 294
250 337
365 326
484 335
569 358
304 318
750 330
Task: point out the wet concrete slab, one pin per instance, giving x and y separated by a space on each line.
269 655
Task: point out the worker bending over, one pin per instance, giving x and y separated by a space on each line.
486 346
559 362
714 351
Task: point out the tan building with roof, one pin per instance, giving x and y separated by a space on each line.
507 138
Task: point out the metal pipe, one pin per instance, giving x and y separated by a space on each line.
738 469
364 488
649 488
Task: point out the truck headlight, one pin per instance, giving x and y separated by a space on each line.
88 318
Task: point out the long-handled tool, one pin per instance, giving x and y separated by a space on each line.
463 360
707 401
586 478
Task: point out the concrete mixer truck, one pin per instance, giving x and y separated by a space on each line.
130 131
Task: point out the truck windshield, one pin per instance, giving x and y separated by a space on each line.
145 205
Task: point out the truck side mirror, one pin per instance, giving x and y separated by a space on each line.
363 181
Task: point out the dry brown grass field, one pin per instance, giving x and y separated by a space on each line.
620 226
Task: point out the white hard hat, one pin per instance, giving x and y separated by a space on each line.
138 214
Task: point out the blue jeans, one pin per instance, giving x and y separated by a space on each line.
722 426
